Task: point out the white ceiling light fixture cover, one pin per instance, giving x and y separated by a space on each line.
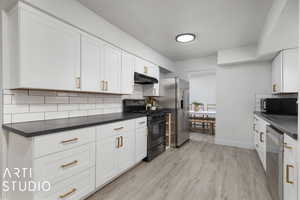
185 37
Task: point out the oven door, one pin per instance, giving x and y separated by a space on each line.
275 163
156 131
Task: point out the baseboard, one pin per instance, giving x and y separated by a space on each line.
234 144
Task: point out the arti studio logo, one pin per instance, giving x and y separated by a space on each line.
20 179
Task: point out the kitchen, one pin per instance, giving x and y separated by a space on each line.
75 76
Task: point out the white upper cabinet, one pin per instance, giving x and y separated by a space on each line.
44 53
285 72
152 90
91 64
127 75
111 71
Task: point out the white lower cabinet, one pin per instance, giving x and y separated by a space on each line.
290 169
77 162
116 149
106 162
260 133
141 135
74 188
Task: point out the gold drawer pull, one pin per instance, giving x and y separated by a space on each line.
142 122
117 129
288 174
121 141
67 194
69 164
71 140
77 82
287 146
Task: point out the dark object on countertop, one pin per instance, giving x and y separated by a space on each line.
279 106
285 123
43 127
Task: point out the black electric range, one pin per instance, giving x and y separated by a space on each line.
156 123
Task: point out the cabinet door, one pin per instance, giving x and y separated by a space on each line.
49 53
91 63
277 74
290 185
290 169
290 70
112 69
141 144
127 75
140 66
126 153
106 160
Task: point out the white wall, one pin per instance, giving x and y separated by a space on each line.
236 89
203 65
71 11
203 88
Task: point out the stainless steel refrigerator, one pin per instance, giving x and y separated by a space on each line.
174 95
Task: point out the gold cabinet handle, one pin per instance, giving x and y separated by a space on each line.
69 164
142 122
117 129
121 141
68 193
287 146
71 140
106 85
260 137
274 87
145 69
102 85
288 174
77 82
118 142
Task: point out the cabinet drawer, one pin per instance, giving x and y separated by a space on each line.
109 130
290 147
47 144
64 164
141 122
74 188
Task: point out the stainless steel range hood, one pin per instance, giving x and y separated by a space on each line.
143 79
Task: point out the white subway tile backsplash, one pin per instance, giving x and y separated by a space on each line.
87 106
95 112
24 117
20 99
7 118
31 105
56 115
68 107
78 113
7 99
99 100
42 107
78 100
11 109
100 106
56 100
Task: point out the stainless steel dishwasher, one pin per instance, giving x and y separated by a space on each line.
275 163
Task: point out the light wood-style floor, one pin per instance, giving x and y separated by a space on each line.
196 171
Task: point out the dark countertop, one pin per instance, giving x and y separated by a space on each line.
285 123
36 128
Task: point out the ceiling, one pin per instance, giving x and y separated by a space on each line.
218 24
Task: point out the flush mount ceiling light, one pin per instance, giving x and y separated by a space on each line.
185 37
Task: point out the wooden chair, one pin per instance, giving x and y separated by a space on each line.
196 119
212 117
